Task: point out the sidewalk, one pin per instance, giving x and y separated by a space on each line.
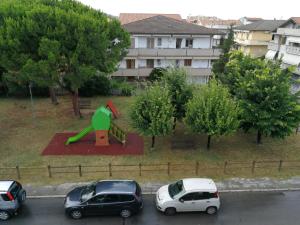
230 185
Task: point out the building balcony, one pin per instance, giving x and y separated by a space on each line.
293 50
288 32
273 46
245 42
174 53
144 72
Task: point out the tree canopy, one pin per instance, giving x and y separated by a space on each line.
152 112
212 111
53 42
175 80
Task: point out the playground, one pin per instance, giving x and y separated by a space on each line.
102 137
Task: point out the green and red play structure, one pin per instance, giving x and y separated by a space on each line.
103 126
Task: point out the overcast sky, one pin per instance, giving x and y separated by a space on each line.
225 9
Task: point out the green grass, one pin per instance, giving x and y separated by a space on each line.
24 136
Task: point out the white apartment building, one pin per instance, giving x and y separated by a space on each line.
285 45
160 41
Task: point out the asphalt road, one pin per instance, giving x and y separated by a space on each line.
281 208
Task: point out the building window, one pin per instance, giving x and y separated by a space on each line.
177 63
187 62
159 62
189 43
130 63
178 42
150 42
150 63
132 41
159 42
283 40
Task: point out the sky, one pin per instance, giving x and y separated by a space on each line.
225 9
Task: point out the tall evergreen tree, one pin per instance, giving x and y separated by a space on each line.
51 42
219 65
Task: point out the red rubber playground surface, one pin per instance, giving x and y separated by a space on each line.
86 146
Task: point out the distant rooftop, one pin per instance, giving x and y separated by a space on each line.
253 18
262 25
165 25
132 17
210 21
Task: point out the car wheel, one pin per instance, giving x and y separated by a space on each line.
125 213
76 214
4 215
211 210
170 211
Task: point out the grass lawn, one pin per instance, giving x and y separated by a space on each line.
24 135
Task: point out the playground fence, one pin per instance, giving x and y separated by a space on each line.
166 169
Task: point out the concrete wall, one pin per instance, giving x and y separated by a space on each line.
200 63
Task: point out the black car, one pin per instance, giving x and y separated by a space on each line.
108 197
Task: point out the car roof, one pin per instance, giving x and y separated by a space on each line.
116 186
200 184
5 185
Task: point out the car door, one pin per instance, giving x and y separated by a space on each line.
186 203
111 204
201 201
94 206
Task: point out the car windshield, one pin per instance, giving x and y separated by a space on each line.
88 192
175 188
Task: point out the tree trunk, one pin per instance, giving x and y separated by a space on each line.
258 137
75 102
53 96
174 124
153 142
208 142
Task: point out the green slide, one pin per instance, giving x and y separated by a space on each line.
80 135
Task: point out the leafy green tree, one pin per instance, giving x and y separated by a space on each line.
268 105
152 111
156 74
219 65
58 43
212 111
175 80
237 68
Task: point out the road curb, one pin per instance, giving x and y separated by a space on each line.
220 191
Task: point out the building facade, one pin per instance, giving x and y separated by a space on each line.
285 45
164 42
252 39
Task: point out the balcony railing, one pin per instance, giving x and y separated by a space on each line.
273 46
144 72
173 52
293 50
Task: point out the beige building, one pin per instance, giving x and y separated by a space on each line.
253 39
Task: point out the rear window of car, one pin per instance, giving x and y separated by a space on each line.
15 188
138 191
4 197
126 198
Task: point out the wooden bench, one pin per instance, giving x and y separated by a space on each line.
85 103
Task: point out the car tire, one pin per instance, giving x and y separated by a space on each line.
211 210
170 211
76 214
125 213
4 215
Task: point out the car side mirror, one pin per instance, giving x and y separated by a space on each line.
181 200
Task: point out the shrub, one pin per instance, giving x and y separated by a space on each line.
97 85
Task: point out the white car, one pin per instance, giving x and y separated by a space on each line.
192 194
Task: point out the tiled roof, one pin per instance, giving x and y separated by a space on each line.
296 19
262 25
253 18
166 25
132 17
